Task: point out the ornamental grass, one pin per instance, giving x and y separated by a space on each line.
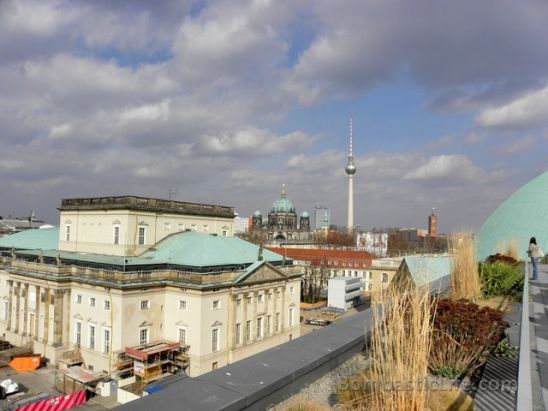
400 346
465 281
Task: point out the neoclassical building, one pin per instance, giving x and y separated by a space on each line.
282 222
125 271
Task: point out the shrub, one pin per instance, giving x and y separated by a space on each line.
494 258
463 337
500 278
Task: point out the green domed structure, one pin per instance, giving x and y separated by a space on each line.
282 204
521 216
283 222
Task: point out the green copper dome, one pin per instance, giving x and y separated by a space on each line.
305 214
521 216
282 204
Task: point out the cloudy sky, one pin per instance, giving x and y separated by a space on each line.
225 101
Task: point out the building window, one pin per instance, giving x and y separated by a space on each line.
260 327
369 287
67 232
214 366
384 277
344 264
145 304
167 226
92 301
106 340
143 336
216 304
180 227
269 296
260 298
249 300
237 334
78 299
91 337
278 292
277 323
116 234
269 324
225 233
193 227
182 305
181 335
206 228
291 290
248 330
142 231
215 340
106 304
239 302
291 311
78 333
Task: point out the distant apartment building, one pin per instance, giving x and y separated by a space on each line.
373 243
322 217
325 263
11 225
403 241
241 225
383 271
128 271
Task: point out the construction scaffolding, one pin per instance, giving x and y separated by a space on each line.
151 362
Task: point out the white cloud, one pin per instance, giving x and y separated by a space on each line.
528 110
448 167
474 137
254 141
517 146
149 112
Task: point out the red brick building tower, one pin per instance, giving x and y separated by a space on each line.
432 225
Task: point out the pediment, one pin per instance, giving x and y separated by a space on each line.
265 272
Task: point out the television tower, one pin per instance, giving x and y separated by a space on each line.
350 170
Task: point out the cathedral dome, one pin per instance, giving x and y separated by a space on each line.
520 217
282 204
305 214
257 213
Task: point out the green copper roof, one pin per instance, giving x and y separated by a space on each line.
521 216
282 204
195 249
33 239
189 248
428 269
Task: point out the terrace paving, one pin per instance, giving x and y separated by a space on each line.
539 338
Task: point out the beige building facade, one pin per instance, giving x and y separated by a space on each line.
245 301
128 225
